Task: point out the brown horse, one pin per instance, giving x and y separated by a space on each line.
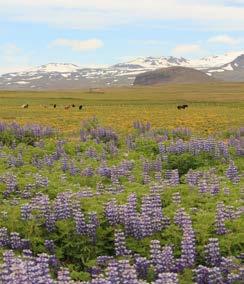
67 107
25 106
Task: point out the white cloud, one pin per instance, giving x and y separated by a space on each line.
78 45
224 39
13 69
93 14
184 49
9 52
12 59
148 42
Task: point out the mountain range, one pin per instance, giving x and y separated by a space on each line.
226 67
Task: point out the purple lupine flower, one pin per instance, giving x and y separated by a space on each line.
88 172
128 273
188 253
212 252
4 237
167 278
25 212
155 254
142 266
202 275
203 186
232 173
11 184
130 143
41 181
15 241
168 262
111 212
146 178
192 177
120 246
103 260
49 245
214 186
158 164
80 224
64 276
113 273
215 275
220 219
176 198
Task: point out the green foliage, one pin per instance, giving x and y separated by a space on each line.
147 147
186 161
8 138
79 253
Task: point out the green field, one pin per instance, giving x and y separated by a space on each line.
164 183
212 107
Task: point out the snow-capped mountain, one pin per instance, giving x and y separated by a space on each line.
57 67
164 62
227 67
153 62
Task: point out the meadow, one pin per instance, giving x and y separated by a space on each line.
213 107
128 190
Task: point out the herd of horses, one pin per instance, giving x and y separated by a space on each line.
179 107
55 106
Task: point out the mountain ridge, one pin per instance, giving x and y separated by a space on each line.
226 67
174 74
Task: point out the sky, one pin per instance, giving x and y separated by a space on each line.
105 32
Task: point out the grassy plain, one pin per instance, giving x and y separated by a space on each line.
212 107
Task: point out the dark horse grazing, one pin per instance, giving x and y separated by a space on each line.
80 107
182 107
54 106
73 105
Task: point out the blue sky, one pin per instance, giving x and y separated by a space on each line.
104 32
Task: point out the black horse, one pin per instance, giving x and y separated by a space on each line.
80 107
182 107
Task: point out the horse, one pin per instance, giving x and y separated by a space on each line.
67 107
54 106
182 107
80 107
25 106
73 105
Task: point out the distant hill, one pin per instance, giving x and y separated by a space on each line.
172 75
226 67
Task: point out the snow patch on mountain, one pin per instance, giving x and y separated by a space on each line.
214 61
57 67
228 67
22 82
